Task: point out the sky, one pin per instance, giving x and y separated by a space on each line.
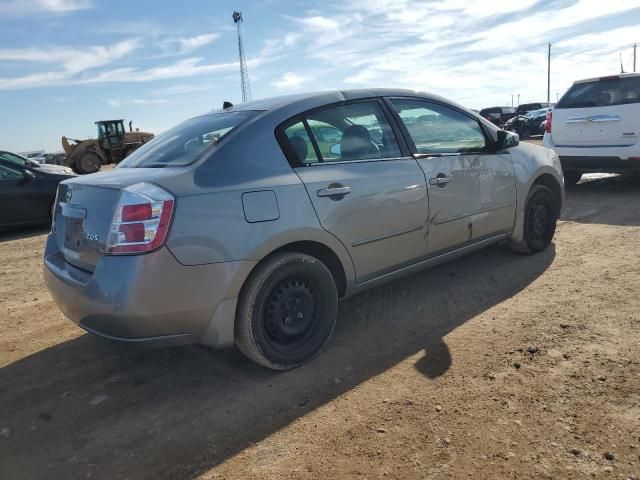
66 63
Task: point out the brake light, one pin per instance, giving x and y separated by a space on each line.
141 221
547 126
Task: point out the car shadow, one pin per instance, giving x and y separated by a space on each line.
87 407
605 199
20 233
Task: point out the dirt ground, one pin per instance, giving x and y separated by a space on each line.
494 366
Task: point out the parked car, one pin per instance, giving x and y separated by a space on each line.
525 108
27 190
595 126
498 115
250 239
528 125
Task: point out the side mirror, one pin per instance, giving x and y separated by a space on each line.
28 175
507 140
335 149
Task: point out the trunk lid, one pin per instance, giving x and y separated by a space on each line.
85 208
603 112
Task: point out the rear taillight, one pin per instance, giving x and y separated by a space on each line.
53 211
547 126
141 221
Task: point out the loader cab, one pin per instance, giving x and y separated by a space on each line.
111 134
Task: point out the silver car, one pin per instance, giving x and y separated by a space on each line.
247 225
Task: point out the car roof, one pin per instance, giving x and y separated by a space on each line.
301 102
607 77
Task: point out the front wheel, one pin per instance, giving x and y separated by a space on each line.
540 218
287 311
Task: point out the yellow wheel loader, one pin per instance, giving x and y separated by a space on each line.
112 145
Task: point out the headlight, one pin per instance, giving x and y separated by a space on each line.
68 170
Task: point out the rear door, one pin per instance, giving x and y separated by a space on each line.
364 190
603 112
471 189
12 197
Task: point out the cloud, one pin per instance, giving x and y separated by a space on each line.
31 7
473 51
192 43
181 89
319 23
118 102
290 81
73 60
187 67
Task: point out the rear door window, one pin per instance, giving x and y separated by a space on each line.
435 128
355 131
602 93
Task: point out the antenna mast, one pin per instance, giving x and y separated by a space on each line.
244 74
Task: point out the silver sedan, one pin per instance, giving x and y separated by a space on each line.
247 225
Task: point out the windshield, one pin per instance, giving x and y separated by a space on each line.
13 158
183 144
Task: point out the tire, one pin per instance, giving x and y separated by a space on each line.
540 218
571 177
286 311
89 162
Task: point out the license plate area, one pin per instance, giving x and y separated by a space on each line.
73 232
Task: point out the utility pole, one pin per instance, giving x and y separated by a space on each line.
549 73
244 74
518 99
635 46
512 99
621 67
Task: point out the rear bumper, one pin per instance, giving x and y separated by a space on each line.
599 164
596 159
150 299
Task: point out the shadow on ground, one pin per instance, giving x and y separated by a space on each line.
604 199
18 234
89 407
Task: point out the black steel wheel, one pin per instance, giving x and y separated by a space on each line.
286 311
540 218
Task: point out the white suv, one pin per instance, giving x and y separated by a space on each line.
596 125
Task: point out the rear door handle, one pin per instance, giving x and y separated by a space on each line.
439 180
330 192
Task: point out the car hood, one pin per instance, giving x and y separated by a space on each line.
54 170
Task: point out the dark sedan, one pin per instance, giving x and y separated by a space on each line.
498 115
27 190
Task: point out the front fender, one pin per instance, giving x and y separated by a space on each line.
530 163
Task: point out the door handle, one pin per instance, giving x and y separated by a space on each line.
440 180
333 191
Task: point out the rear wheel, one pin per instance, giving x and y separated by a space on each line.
287 311
571 177
89 162
540 218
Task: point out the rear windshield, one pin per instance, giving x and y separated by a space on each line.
184 143
602 93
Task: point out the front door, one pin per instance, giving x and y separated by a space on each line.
20 197
364 190
471 189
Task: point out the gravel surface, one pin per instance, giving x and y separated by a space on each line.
493 366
